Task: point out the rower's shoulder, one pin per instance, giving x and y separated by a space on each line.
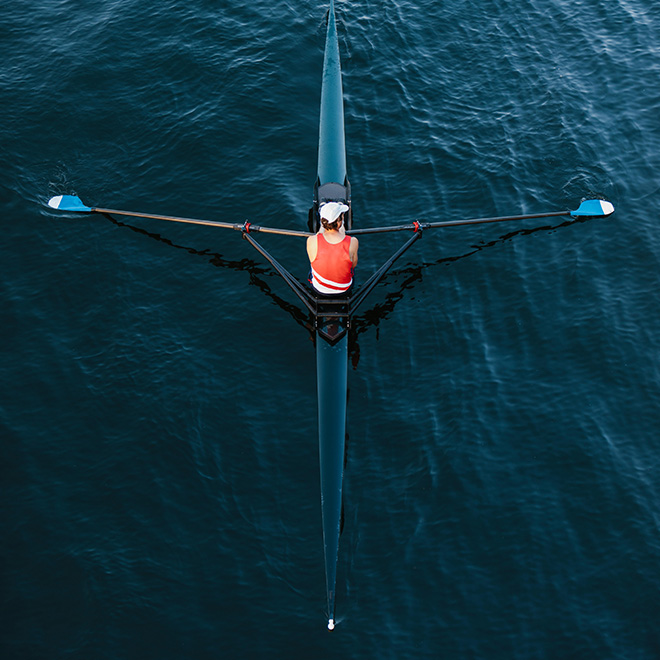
312 247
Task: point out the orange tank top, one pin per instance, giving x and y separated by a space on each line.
332 270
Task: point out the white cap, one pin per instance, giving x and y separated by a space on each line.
330 211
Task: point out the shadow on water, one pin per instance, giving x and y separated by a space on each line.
368 319
252 268
372 317
413 273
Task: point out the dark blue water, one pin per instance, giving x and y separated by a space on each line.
158 408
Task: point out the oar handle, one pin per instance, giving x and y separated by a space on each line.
281 232
379 230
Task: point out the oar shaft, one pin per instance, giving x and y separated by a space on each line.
479 221
453 223
170 218
208 223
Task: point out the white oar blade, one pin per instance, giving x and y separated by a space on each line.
594 208
68 203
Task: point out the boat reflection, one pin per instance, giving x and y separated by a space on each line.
399 280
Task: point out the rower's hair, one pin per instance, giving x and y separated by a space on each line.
332 226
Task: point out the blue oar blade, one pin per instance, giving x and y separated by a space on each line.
594 208
68 203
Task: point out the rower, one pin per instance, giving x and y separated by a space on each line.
332 254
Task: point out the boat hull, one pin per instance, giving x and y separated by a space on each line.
332 144
332 379
331 356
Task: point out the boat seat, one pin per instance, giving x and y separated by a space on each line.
332 192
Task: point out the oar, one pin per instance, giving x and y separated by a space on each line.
73 204
591 208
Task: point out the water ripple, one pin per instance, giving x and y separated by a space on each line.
158 414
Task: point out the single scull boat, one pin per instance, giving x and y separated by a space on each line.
332 317
331 356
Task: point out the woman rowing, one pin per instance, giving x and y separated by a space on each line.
332 254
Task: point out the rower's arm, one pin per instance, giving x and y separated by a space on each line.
353 251
312 248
